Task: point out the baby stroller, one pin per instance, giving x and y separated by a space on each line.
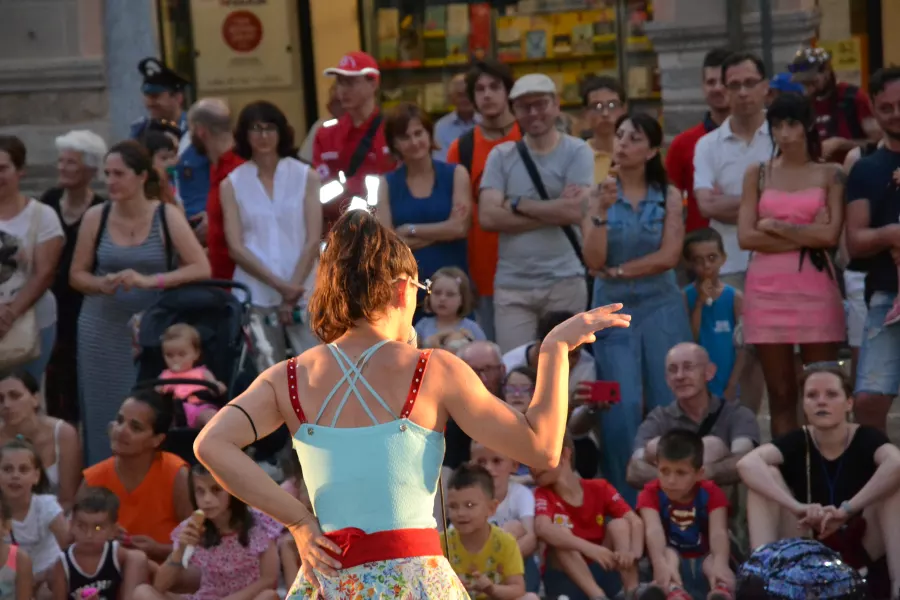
221 319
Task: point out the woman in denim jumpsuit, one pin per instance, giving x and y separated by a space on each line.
633 236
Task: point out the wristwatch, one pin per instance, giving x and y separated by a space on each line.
412 230
619 271
514 205
598 222
845 506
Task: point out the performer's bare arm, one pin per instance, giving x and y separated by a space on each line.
534 438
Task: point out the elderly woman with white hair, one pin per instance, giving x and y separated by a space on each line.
80 154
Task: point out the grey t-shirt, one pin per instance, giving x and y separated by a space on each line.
543 256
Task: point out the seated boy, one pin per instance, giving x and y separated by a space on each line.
485 557
715 309
571 518
515 511
95 559
686 523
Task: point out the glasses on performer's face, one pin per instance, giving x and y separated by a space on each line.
425 287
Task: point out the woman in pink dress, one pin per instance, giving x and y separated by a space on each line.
790 216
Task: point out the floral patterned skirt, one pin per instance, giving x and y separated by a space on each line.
419 578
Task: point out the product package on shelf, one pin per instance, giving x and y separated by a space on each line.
435 98
435 35
391 97
457 33
480 32
509 38
411 47
388 36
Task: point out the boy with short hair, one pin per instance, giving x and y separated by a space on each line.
686 522
571 518
715 309
486 558
95 559
515 511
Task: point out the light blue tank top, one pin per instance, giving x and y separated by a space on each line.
376 478
717 334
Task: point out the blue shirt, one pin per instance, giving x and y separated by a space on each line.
436 208
717 334
449 128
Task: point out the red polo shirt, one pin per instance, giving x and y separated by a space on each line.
222 265
334 144
680 169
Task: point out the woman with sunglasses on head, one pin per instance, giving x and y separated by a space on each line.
836 478
633 236
273 224
385 444
791 214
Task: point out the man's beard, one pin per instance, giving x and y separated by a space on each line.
894 135
198 145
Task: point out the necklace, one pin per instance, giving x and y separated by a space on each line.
831 480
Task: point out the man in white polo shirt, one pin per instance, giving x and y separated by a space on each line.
720 162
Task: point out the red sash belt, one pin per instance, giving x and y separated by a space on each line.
359 548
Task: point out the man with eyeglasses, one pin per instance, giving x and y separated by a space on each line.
680 157
729 430
873 237
721 160
534 193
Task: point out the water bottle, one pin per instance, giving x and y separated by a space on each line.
298 316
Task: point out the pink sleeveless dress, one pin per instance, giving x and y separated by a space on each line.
786 302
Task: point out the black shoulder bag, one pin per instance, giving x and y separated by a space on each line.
542 192
466 147
359 155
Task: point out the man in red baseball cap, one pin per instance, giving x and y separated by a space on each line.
349 148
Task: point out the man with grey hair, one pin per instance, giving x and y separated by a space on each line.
209 123
461 120
534 193
80 155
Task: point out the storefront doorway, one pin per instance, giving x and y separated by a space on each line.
244 50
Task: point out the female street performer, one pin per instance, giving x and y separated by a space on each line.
367 410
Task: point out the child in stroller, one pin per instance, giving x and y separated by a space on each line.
182 348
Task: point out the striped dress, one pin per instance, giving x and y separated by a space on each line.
106 367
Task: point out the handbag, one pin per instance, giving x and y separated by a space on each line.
22 343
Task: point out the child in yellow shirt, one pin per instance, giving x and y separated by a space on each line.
486 558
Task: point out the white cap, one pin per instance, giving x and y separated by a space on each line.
534 83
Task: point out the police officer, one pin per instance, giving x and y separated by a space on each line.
163 91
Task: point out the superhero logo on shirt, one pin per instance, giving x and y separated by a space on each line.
683 519
600 520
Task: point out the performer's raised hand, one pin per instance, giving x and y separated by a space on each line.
581 328
314 549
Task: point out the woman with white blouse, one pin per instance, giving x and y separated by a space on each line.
273 224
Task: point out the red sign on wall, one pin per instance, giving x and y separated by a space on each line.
242 31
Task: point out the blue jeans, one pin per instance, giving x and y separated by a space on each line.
878 371
36 367
557 583
532 574
636 359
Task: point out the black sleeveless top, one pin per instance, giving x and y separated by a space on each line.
107 580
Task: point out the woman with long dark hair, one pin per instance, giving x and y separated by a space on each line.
122 261
791 214
273 224
633 235
385 444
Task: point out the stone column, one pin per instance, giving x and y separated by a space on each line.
685 30
129 34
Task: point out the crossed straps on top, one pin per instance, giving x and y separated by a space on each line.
352 374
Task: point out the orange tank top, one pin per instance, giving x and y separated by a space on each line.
148 509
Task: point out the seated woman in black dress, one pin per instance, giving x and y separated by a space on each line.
839 479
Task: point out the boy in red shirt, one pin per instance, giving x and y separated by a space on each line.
686 520
571 518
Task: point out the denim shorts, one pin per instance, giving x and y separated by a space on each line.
878 371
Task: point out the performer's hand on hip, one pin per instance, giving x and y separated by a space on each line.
312 546
581 328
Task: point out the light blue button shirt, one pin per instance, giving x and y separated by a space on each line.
449 128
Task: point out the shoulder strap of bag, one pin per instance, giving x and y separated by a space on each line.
542 192
34 226
710 421
808 474
359 155
466 147
167 238
104 217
